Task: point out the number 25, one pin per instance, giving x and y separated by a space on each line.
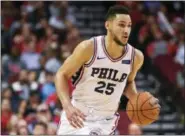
109 88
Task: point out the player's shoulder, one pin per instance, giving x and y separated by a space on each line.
85 49
138 56
86 45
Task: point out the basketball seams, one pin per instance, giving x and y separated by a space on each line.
137 108
145 109
146 116
146 101
132 108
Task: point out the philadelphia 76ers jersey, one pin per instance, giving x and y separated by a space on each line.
100 82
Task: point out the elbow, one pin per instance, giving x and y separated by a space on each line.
57 76
60 75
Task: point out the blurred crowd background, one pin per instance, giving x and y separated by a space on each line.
36 38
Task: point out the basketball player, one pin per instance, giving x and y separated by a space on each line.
105 68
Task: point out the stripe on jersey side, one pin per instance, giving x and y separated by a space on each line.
107 54
77 76
81 74
132 59
116 124
94 54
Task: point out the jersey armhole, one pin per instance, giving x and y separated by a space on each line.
132 59
90 62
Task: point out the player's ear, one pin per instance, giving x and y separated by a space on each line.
107 25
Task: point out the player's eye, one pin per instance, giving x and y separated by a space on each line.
129 25
121 25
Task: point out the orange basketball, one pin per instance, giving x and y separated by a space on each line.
140 111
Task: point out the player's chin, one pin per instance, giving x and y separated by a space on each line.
124 42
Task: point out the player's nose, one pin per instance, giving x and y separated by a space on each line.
126 30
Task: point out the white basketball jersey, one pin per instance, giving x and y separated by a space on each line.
100 82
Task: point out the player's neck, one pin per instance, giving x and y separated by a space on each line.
113 48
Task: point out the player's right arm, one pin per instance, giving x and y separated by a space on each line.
82 54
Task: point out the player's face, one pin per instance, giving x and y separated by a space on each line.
120 29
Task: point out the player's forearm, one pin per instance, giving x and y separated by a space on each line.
130 90
62 89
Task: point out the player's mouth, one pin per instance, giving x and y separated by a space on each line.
125 37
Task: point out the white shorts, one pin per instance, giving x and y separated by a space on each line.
93 126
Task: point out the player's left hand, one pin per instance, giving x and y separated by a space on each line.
154 102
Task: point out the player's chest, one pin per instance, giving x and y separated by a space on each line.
110 71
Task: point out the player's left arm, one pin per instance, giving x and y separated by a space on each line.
130 89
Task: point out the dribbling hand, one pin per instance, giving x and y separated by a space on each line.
75 116
154 102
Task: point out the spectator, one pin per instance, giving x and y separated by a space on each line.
54 8
29 6
9 13
40 11
52 129
22 127
73 38
51 67
13 124
21 87
22 39
22 108
16 25
145 31
48 87
40 129
179 58
49 62
31 57
6 114
43 113
7 93
32 104
34 85
49 37
12 65
61 21
159 46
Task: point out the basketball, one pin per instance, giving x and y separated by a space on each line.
140 111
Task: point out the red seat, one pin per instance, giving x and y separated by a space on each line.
168 67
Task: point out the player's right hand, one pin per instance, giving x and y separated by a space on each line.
74 116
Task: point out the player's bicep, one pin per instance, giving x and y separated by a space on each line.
81 55
139 59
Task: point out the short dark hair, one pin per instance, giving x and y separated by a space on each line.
117 9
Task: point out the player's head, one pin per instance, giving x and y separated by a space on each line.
118 24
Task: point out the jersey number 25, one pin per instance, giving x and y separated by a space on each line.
108 88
